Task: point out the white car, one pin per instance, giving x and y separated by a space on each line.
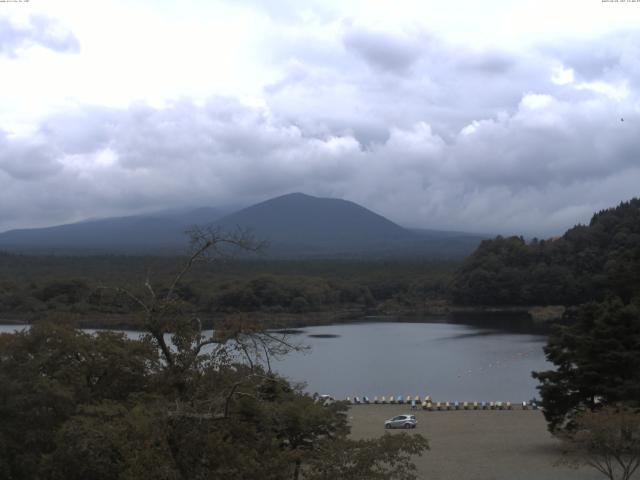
401 421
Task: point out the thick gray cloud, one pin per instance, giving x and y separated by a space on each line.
382 50
536 170
615 55
370 80
27 159
38 30
428 133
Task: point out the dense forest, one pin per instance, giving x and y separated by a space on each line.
589 262
36 287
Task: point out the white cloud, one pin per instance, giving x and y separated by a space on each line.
562 76
535 101
33 31
615 92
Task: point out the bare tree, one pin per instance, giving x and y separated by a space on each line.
607 440
237 337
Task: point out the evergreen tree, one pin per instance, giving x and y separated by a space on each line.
597 362
588 263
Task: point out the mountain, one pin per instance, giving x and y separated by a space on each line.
294 225
159 232
300 218
302 225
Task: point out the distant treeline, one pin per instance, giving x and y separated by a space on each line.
34 286
589 262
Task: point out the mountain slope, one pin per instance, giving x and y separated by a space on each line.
300 218
160 231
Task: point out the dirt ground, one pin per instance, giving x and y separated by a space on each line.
477 444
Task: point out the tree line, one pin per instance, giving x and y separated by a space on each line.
33 287
587 263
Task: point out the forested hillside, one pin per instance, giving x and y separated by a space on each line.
587 263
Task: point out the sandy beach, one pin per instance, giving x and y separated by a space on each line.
477 444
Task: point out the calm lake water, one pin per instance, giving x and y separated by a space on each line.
449 361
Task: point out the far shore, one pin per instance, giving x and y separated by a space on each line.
130 321
477 444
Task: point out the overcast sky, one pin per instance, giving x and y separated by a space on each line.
488 116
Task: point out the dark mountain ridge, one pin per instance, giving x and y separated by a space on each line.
297 217
156 232
294 225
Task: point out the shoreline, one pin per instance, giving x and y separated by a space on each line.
539 315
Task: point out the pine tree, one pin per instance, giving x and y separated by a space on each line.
597 362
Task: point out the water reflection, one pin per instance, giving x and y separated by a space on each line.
288 331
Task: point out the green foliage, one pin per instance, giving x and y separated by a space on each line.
69 292
607 440
597 362
383 459
586 263
51 370
32 286
77 406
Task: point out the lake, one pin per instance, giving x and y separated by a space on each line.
449 361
